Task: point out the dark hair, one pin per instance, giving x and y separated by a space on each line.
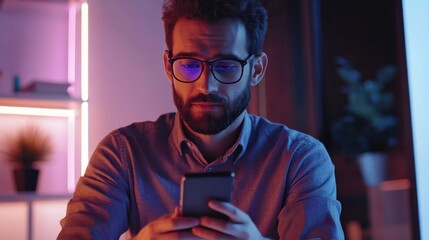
251 12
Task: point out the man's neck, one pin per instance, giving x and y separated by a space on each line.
214 146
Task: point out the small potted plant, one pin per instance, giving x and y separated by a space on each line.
368 127
30 145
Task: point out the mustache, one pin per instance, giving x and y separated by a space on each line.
211 97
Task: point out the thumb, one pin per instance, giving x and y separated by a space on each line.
176 212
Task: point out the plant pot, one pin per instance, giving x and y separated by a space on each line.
26 179
373 167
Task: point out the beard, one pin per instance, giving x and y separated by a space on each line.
210 124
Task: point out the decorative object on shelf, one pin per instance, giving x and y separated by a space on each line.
373 167
368 125
29 146
16 83
47 87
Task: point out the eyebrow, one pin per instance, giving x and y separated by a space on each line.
198 55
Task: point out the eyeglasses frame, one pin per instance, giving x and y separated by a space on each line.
209 63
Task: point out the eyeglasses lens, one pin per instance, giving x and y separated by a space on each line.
227 70
187 70
224 70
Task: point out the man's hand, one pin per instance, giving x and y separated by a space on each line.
239 226
171 226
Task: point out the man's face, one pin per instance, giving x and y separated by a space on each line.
208 106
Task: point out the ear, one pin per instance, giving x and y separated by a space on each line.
167 67
259 66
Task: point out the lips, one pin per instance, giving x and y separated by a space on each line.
206 105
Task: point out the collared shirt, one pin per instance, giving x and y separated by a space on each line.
284 180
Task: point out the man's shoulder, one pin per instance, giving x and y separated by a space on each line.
164 123
265 127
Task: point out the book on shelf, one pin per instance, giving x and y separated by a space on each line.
46 88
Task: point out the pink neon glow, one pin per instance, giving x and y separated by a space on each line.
72 49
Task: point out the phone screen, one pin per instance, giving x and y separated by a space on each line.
197 189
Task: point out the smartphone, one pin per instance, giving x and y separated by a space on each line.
197 189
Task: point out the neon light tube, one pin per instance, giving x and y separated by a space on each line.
84 52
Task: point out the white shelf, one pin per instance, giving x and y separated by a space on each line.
32 196
40 101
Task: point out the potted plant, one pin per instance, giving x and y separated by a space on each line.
368 127
28 146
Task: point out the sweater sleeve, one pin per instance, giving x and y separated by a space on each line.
311 209
99 206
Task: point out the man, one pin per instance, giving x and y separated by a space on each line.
284 186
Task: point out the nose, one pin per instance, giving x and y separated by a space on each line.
207 81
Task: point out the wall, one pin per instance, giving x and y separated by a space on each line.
33 42
127 79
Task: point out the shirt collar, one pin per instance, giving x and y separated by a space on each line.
180 141
177 135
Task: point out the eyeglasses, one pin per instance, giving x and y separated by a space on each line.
227 71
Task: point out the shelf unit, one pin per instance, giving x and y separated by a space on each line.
41 41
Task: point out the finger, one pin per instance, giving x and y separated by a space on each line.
220 226
228 209
176 212
206 233
169 223
179 235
